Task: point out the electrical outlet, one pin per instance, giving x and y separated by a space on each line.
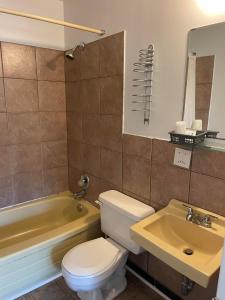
182 158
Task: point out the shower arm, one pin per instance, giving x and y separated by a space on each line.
50 20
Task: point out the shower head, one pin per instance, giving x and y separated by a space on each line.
71 52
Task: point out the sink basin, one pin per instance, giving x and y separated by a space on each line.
191 249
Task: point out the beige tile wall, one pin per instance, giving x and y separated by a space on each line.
140 167
33 135
94 93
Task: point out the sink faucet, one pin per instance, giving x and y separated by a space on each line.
83 183
190 214
202 220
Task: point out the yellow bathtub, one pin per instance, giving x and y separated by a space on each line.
34 237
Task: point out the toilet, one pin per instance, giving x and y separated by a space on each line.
96 269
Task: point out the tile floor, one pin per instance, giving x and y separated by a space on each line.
57 290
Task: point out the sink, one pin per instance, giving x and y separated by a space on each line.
193 250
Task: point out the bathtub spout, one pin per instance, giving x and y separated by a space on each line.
80 194
83 183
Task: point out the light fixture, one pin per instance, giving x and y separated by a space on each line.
212 7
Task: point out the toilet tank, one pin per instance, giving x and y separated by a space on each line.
118 213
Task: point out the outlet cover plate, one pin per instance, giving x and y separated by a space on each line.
182 158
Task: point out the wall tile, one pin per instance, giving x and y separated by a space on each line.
111 55
163 152
73 102
18 61
6 197
25 158
53 126
111 167
92 129
90 96
52 96
24 128
209 162
72 67
91 159
1 71
141 260
55 180
5 169
75 126
111 132
136 175
208 193
137 197
98 186
4 133
50 64
137 145
74 176
27 186
21 95
90 61
168 182
112 95
95 188
54 154
75 155
6 191
2 97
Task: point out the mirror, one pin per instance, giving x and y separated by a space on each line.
205 80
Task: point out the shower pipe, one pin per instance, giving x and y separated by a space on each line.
50 20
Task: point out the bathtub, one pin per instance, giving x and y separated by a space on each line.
34 237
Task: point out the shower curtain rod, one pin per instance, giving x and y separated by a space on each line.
50 20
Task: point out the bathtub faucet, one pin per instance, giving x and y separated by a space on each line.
83 183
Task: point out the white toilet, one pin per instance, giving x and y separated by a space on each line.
96 269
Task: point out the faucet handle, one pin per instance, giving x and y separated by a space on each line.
190 209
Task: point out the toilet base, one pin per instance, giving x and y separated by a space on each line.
115 285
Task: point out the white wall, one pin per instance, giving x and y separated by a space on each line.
32 32
162 22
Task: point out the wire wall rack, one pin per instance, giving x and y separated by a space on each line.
144 82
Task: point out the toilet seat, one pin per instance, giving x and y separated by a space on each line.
87 274
92 258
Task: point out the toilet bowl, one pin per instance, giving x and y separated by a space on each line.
96 269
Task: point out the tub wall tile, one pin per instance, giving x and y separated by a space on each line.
2 96
22 158
27 186
4 132
33 129
90 61
18 61
50 64
21 95
1 71
54 154
55 180
51 96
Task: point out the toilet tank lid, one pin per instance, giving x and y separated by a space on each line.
126 205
